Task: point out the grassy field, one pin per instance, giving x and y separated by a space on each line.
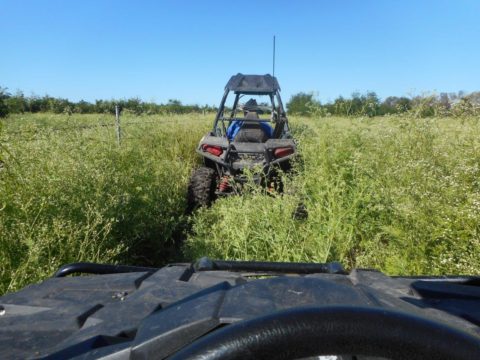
398 194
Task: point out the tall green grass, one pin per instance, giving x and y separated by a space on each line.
72 194
398 194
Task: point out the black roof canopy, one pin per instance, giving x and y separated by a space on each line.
253 84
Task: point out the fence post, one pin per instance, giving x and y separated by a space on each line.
117 124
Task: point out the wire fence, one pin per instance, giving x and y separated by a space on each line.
43 133
122 130
76 128
46 136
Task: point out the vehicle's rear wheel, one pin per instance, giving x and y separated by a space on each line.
201 188
275 181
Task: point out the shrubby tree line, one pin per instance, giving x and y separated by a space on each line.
369 104
19 103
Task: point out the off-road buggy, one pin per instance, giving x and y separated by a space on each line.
240 310
246 135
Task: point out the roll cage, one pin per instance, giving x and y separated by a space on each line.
256 85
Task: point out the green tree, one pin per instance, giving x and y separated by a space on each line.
370 104
4 96
17 104
395 105
301 103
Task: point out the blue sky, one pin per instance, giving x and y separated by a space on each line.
187 50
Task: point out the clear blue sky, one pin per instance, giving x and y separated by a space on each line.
187 50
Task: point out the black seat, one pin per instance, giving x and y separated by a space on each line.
251 131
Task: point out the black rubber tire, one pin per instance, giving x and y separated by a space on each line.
201 188
275 178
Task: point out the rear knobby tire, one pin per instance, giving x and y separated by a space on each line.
201 188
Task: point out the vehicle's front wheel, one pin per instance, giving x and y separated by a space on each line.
201 188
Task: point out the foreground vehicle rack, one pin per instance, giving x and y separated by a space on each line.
207 308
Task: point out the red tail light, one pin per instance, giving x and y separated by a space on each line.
282 152
214 150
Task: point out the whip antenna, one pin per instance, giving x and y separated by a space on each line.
273 72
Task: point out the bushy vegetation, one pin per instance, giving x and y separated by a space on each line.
3 106
396 193
369 104
19 104
69 193
303 104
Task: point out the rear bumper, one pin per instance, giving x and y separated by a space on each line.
263 150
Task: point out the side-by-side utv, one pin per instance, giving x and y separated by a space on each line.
216 310
249 134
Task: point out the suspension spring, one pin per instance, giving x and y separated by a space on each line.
224 184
